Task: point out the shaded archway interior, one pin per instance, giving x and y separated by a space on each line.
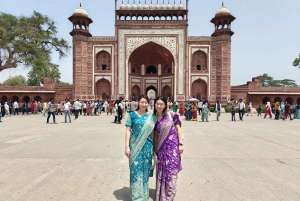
102 89
151 55
199 89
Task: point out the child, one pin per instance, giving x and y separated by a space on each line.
232 113
259 110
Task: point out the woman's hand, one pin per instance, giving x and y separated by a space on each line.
180 148
127 152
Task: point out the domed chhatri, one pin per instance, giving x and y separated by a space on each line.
146 7
223 10
80 11
128 6
122 6
175 7
134 7
180 7
157 7
151 7
140 7
169 7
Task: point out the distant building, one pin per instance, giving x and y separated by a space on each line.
151 53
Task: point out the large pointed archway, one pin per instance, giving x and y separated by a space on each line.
199 89
102 89
150 66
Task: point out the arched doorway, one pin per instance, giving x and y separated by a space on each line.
199 89
290 100
102 89
15 98
26 99
37 98
151 63
151 92
265 100
277 99
135 92
167 92
4 98
298 100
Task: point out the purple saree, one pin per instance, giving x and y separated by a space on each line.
168 158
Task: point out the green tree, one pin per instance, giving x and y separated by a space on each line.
18 80
40 70
23 40
287 83
265 80
64 83
296 62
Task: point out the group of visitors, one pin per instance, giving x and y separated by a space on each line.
151 135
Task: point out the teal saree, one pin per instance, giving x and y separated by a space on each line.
141 150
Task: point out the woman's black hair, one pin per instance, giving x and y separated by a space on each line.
164 99
139 99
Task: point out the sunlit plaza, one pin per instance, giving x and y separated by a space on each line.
254 159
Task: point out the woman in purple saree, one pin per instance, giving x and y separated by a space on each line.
168 147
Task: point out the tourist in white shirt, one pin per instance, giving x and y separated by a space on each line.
67 106
200 105
16 107
77 107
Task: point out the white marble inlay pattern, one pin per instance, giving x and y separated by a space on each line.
136 80
123 51
166 80
204 49
151 81
99 49
97 78
205 78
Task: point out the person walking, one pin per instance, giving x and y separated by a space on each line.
120 111
241 106
181 109
268 110
24 108
6 107
175 107
259 110
51 111
287 111
115 111
67 107
10 107
45 107
168 143
250 111
200 103
77 107
232 113
139 148
276 107
92 105
205 111
218 107
16 108
58 108
1 112
133 105
188 111
297 110
194 111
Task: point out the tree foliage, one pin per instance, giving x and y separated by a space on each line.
23 40
296 62
18 80
268 81
41 69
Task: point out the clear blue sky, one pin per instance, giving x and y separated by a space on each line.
266 39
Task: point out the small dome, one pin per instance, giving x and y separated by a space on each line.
80 11
157 7
175 7
122 7
128 7
223 10
146 7
169 7
163 7
151 7
180 7
133 7
139 7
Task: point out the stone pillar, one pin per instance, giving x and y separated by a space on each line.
129 66
159 69
143 69
173 67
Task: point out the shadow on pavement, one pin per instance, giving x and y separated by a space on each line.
124 194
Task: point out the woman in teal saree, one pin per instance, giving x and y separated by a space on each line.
139 148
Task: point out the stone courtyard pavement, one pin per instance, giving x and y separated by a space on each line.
255 159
